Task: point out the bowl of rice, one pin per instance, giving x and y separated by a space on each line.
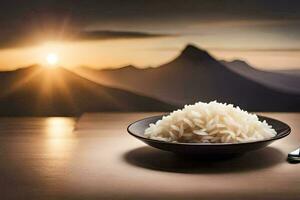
209 129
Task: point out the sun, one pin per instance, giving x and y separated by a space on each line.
52 59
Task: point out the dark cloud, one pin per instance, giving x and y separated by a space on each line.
168 10
106 35
21 40
26 22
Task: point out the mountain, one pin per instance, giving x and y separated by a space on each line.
39 91
278 80
293 72
196 76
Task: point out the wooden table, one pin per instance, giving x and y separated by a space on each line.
57 158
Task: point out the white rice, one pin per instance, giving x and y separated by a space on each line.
210 123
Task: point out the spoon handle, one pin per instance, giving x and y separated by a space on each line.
294 156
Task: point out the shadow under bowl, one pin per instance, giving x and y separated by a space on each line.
137 130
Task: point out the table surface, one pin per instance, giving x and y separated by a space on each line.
93 157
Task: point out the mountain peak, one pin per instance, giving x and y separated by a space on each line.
238 61
129 67
193 52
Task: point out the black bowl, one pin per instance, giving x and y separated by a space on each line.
137 129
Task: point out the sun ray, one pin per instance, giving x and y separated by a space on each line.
22 81
54 84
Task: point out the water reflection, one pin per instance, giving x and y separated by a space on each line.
59 144
59 127
59 136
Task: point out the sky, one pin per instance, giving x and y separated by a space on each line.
104 34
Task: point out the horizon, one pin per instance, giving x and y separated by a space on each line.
44 62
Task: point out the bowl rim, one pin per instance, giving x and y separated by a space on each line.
278 136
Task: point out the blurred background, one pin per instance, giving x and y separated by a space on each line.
65 58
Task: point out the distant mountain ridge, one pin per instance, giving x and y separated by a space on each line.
196 76
273 79
58 92
292 72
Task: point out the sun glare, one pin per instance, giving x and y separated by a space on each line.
52 59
